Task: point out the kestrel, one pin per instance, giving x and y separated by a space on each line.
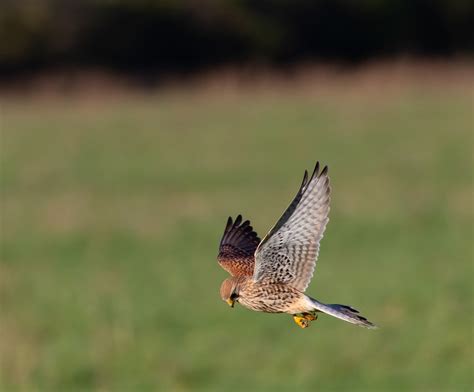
271 275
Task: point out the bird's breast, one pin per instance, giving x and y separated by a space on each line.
269 298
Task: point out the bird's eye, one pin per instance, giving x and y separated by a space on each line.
233 296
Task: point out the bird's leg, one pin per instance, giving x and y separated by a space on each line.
303 322
310 316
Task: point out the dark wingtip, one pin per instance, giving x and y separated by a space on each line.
324 172
305 179
229 223
245 224
238 220
315 171
228 227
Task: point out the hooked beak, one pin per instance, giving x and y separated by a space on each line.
230 302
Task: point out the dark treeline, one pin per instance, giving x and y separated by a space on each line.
188 35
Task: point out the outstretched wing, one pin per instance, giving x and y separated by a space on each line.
288 253
237 248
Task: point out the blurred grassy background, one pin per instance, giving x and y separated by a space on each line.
112 209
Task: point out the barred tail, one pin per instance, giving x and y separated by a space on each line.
343 312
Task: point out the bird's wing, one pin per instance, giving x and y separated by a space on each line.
288 253
237 248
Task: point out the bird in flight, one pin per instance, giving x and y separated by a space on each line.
271 275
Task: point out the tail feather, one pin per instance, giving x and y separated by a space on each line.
344 312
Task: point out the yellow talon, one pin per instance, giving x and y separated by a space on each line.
301 321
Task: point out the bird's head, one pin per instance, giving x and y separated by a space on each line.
230 291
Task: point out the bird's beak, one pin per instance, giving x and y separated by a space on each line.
230 302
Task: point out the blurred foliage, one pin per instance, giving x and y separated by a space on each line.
185 35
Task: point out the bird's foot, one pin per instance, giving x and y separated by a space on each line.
303 322
304 319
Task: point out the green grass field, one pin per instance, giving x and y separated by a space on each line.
112 209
